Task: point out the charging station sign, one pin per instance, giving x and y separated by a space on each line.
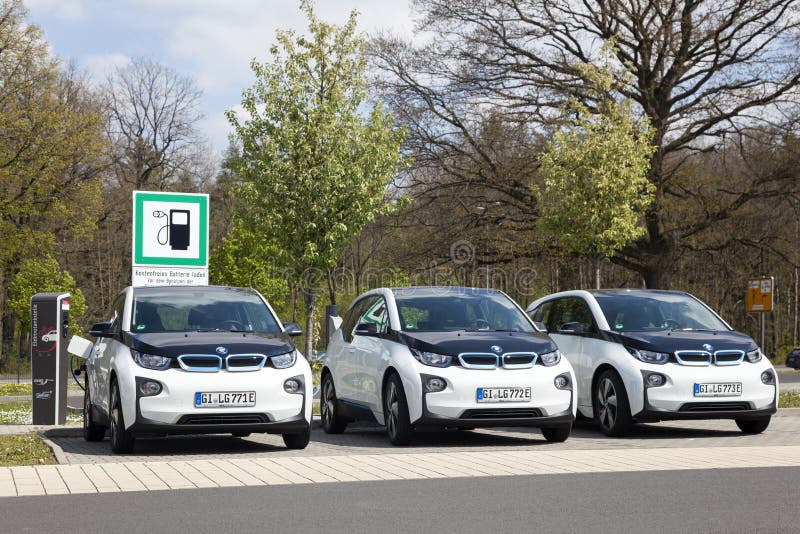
170 239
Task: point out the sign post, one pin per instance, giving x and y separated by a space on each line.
759 299
170 239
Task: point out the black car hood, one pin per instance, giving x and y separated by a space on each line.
173 344
454 343
670 341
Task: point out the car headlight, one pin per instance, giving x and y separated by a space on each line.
754 355
282 361
649 356
550 358
151 361
432 358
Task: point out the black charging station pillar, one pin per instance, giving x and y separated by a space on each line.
49 360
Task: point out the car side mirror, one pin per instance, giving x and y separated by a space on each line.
572 328
101 330
293 329
366 329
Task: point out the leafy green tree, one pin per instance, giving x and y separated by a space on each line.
316 157
595 170
51 150
44 275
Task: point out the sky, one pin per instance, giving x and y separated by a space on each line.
212 41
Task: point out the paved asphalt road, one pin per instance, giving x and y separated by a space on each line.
737 500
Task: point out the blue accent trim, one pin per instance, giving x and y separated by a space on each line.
355 404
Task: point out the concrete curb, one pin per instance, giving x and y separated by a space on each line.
58 452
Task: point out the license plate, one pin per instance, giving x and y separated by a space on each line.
225 399
719 389
504 394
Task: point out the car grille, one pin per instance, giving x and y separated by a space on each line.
487 360
501 413
245 362
714 407
210 363
703 358
224 419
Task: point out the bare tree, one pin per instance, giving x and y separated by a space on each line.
153 115
699 70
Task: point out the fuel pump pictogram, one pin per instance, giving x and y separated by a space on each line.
177 230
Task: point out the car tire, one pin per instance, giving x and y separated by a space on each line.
121 439
753 426
91 430
395 412
297 441
240 434
612 410
556 434
332 422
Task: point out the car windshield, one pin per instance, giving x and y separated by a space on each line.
657 311
199 309
467 310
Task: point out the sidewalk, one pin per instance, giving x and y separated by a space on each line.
150 476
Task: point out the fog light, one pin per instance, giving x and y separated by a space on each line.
291 386
435 384
768 378
148 388
562 381
654 380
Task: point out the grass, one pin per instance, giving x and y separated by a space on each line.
24 449
789 399
10 390
20 413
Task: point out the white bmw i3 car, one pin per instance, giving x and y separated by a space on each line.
444 357
646 356
195 360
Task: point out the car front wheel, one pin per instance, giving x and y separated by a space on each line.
297 441
121 439
556 434
332 422
91 430
753 426
611 409
395 412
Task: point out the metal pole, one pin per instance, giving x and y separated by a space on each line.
19 354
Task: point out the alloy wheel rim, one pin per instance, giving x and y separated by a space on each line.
607 400
327 405
391 403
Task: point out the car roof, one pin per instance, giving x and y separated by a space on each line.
443 290
641 292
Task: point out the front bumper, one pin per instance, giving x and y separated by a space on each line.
173 411
457 406
676 400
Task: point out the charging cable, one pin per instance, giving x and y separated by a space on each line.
158 214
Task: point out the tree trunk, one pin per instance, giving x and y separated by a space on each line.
332 285
310 302
597 261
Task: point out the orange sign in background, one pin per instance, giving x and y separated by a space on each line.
759 294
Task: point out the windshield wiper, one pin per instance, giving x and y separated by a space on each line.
689 329
240 331
489 330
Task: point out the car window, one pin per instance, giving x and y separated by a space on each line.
459 310
353 314
377 314
174 310
117 310
541 313
639 311
570 315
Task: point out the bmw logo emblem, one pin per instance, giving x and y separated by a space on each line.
496 348
222 351
708 347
